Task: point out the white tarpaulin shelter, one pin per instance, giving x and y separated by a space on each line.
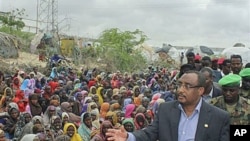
243 51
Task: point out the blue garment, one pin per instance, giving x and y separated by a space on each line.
131 137
55 58
167 96
53 73
24 85
83 130
126 102
188 125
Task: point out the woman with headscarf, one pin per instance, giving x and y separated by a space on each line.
155 97
92 91
54 73
24 87
79 99
15 84
63 96
101 136
11 122
70 130
104 109
93 107
65 118
75 105
51 111
112 117
32 82
77 84
115 107
99 92
27 129
140 121
6 98
145 102
66 107
130 108
84 95
136 93
140 109
127 100
86 126
24 119
34 108
128 124
20 100
55 101
4 114
56 126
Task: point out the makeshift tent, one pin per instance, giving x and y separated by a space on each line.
206 50
243 51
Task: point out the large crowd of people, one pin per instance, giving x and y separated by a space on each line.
157 104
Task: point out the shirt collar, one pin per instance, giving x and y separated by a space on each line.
197 108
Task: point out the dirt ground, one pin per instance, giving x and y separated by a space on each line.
25 61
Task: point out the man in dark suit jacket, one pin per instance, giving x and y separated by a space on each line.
211 90
188 118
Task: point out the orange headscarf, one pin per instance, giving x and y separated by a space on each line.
104 109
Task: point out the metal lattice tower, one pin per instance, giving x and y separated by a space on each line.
47 15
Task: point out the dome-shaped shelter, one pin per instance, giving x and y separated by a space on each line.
9 45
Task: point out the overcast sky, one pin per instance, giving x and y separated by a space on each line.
215 23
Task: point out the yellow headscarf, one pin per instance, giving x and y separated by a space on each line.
98 92
114 117
76 136
4 96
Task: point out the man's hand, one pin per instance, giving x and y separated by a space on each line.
117 134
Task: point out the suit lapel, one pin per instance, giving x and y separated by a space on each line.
203 122
175 117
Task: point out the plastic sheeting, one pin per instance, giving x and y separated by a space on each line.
243 51
36 40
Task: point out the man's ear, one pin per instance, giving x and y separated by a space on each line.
201 90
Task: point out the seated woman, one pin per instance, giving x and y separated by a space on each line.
128 124
56 126
70 130
101 136
140 121
86 126
27 129
66 107
11 122
24 119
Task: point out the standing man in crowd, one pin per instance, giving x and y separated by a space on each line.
236 64
210 91
188 118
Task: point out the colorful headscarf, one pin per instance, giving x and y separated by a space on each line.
104 109
83 130
98 92
129 120
76 136
129 110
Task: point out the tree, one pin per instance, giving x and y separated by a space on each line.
118 49
12 20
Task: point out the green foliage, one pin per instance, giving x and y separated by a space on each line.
117 49
12 21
